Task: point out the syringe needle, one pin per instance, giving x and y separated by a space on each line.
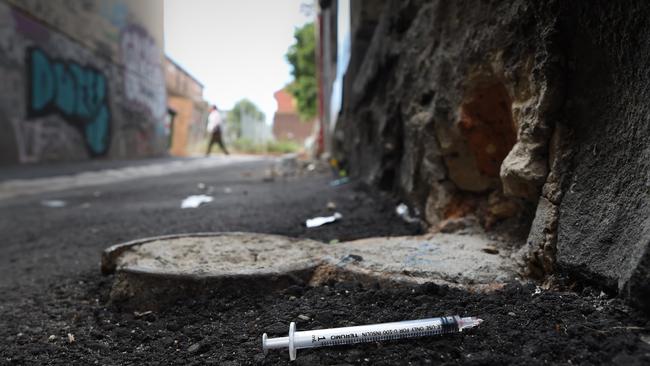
368 333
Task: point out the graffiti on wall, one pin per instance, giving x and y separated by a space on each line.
144 81
77 93
45 140
116 13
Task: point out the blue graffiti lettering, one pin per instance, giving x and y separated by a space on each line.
42 81
78 93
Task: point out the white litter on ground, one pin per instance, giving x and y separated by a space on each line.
402 211
320 221
195 201
54 203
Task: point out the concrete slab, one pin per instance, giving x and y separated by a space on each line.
206 255
456 259
150 272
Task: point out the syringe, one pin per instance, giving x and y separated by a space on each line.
367 333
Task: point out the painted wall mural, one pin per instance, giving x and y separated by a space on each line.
79 94
65 97
144 81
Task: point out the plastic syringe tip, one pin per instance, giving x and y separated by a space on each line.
469 322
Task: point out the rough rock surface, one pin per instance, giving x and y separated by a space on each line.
458 101
438 105
604 221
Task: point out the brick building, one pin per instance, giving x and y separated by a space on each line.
185 98
286 122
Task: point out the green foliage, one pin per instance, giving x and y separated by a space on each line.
241 108
282 147
244 145
302 56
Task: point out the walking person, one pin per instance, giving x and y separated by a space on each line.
215 130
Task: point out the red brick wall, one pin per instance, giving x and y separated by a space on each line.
286 123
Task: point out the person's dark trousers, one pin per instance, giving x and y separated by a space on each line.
216 137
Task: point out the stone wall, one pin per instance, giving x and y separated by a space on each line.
516 111
81 80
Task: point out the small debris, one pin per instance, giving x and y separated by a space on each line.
331 205
538 290
512 314
490 250
350 258
71 338
200 186
138 314
456 224
340 181
303 317
645 338
52 338
269 175
334 241
402 210
227 190
194 348
320 221
195 201
311 167
54 203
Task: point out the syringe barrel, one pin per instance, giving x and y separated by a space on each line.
376 332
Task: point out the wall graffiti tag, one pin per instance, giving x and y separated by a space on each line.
77 93
144 80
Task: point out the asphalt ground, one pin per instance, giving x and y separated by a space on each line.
54 302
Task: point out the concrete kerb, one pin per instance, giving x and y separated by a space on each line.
152 272
26 187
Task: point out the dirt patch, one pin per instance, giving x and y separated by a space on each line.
522 326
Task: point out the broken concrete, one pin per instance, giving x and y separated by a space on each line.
151 272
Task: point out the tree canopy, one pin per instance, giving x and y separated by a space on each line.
302 56
242 108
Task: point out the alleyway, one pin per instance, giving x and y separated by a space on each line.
41 242
51 285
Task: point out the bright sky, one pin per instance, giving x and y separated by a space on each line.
234 47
